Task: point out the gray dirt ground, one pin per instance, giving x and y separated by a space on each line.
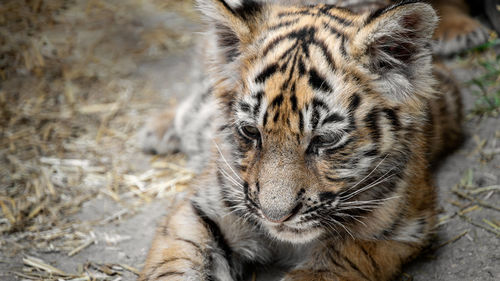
474 256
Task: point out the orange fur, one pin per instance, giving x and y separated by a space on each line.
307 115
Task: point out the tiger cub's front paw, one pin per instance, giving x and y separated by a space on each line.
457 33
174 276
306 275
158 135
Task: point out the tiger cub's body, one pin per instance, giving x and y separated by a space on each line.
314 143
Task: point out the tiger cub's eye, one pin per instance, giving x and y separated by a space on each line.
250 132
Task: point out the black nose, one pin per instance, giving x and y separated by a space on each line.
279 216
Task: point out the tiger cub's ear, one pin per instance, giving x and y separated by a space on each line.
234 23
395 44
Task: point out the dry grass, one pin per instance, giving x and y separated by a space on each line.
70 106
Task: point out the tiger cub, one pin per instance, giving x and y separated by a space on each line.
313 142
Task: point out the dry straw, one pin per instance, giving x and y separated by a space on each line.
70 106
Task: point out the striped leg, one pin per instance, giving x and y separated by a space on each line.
186 248
354 260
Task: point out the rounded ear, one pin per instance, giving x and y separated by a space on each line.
397 33
232 21
395 43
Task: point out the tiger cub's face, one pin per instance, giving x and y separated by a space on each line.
323 103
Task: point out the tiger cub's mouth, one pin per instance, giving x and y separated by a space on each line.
294 229
292 232
301 223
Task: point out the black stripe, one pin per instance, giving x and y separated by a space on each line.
319 103
333 30
315 118
296 13
333 118
384 10
333 255
391 114
171 260
276 116
248 9
163 262
353 266
304 37
302 67
293 98
277 101
371 152
332 179
286 63
291 73
375 266
342 47
317 82
285 59
266 73
224 3
287 54
256 107
283 24
322 11
371 120
250 200
301 122
169 273
245 107
325 11
214 229
354 102
338 34
192 243
329 58
271 45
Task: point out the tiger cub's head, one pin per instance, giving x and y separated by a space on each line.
322 107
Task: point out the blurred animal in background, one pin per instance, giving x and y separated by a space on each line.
313 139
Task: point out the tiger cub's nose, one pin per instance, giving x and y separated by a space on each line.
277 215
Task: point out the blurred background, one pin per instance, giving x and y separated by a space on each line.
80 201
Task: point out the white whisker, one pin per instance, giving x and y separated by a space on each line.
338 223
224 158
371 185
229 177
373 170
352 216
375 201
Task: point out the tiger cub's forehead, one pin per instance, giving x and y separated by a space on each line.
300 61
